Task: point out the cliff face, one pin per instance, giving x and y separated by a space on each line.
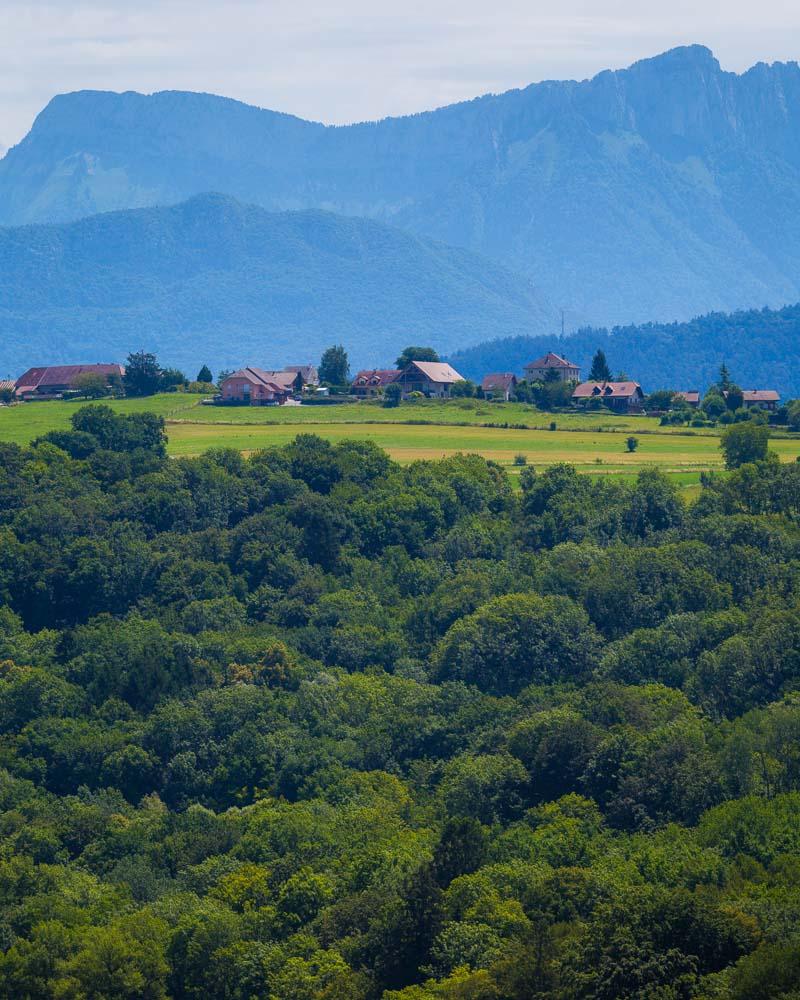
659 191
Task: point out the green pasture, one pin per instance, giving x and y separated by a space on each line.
454 411
25 421
594 443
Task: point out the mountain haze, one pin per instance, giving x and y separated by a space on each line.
655 192
213 280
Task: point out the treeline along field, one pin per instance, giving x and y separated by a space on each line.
593 442
312 724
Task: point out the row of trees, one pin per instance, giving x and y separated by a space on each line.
145 377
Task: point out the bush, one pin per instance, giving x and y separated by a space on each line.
392 395
462 388
520 460
91 385
744 442
632 444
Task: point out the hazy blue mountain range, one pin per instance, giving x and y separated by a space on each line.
212 280
655 192
761 347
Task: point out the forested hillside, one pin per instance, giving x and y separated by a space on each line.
649 193
313 725
762 347
214 279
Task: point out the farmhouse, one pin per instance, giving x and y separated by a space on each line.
689 396
550 366
291 381
255 387
622 397
432 378
370 382
499 385
308 373
763 399
51 382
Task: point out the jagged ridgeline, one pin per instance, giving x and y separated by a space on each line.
653 193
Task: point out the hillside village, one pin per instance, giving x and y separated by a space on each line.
550 382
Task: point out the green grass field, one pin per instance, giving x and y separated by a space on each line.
594 443
25 421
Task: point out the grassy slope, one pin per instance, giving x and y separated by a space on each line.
594 443
22 423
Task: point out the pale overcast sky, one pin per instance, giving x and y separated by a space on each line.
356 59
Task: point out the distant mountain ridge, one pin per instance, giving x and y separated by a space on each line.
761 348
213 280
655 192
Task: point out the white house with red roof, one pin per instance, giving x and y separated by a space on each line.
543 368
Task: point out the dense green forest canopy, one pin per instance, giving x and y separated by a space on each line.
310 724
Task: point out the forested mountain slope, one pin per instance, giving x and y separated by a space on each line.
211 278
760 346
654 192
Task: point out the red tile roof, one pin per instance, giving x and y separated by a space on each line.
499 380
309 372
276 381
551 360
760 396
436 371
606 390
690 395
286 378
62 375
256 376
375 377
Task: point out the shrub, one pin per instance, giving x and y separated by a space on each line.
744 442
